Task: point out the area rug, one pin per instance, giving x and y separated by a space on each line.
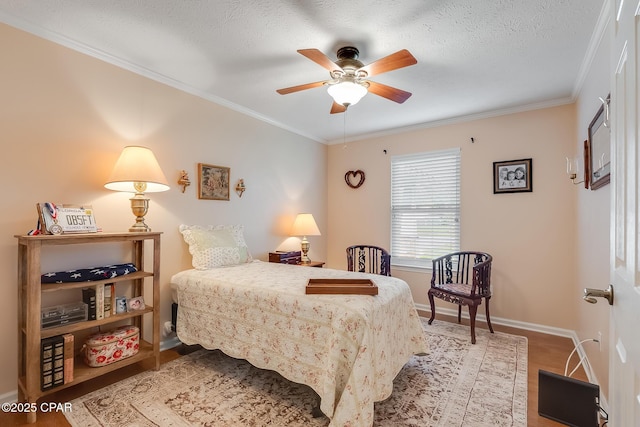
456 384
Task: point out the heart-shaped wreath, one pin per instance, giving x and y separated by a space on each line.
351 176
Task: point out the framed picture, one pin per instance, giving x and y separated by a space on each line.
136 303
512 176
213 182
600 148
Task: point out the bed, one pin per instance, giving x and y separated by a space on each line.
347 348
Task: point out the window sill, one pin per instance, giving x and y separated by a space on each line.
411 268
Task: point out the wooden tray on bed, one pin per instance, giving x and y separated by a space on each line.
341 286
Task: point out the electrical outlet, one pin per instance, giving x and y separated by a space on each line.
600 341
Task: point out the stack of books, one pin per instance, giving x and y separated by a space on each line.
56 361
100 300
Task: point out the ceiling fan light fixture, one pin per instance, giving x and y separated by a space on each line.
347 93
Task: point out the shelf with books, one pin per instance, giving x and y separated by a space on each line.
32 361
88 324
82 372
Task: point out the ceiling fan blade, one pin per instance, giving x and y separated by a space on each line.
337 108
320 58
388 92
400 59
298 88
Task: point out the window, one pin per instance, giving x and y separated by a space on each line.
425 206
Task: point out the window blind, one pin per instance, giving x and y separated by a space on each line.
425 206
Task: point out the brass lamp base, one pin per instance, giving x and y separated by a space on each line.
304 245
139 207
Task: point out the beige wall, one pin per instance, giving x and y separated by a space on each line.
65 117
531 235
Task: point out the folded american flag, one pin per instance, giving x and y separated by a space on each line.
89 274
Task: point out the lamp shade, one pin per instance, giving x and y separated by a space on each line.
137 165
305 225
347 93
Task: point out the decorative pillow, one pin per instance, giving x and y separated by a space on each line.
215 246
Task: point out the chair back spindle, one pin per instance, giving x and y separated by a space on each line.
369 259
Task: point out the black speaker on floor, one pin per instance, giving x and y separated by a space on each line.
568 400
174 316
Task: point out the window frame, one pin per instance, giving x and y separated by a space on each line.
428 191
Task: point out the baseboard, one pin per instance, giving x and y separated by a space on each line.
169 343
505 322
9 397
550 330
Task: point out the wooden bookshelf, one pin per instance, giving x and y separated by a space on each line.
30 289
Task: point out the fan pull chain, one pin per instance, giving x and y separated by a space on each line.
344 129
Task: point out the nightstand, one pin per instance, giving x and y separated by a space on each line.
292 258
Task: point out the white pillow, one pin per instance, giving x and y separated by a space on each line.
215 246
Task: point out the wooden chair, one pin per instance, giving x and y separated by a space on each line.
369 259
462 278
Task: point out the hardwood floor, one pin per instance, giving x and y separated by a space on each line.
548 352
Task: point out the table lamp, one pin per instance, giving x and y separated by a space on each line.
137 171
305 225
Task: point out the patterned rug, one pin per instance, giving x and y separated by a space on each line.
456 384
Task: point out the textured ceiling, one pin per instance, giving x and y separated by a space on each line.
474 57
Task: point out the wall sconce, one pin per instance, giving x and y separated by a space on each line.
240 187
184 180
605 104
573 167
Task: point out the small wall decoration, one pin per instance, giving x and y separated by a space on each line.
512 176
184 180
354 179
213 182
240 187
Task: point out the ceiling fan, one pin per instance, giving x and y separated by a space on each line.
349 77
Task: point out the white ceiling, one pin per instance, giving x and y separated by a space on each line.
475 57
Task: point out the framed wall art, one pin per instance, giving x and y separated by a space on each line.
513 176
600 147
213 182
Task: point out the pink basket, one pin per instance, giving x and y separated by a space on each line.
108 347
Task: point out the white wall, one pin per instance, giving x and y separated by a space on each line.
65 117
593 219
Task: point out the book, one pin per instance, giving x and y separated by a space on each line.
58 361
52 362
99 301
68 357
46 363
108 298
113 299
89 298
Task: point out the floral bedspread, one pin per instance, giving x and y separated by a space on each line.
347 348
